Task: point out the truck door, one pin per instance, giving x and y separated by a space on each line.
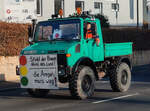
96 53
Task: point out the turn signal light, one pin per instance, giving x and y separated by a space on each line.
68 55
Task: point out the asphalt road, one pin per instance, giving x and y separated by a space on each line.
136 99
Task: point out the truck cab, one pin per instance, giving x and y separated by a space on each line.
60 52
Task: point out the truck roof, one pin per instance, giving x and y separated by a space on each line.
69 18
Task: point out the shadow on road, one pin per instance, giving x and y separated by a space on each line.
140 76
7 85
141 73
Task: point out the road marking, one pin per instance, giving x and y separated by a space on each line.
117 98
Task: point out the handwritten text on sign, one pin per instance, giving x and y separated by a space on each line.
42 71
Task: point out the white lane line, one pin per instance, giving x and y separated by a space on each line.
117 98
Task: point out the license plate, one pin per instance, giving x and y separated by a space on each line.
39 71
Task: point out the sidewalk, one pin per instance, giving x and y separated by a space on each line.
7 85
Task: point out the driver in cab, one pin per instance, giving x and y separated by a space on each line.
89 33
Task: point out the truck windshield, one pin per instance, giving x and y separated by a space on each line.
58 30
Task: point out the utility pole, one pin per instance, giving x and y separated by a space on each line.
137 13
117 9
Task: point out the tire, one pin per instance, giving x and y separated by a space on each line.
82 83
120 78
38 92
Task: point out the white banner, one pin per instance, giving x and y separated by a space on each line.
40 71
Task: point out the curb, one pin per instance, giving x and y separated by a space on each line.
9 85
9 89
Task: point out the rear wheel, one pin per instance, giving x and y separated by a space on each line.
38 92
120 78
82 83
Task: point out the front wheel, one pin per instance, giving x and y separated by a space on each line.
120 78
38 92
82 83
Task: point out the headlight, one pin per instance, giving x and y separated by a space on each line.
61 72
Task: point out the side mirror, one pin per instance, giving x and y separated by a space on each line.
29 31
30 35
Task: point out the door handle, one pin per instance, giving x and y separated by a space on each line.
87 41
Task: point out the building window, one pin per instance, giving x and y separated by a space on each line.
115 7
98 7
80 4
59 4
39 7
147 9
17 0
132 9
28 0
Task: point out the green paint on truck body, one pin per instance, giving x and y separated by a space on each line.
86 48
118 49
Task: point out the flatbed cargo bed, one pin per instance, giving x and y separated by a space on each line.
118 49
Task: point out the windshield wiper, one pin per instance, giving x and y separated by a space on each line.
64 39
59 39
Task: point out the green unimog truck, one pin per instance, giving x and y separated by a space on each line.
60 53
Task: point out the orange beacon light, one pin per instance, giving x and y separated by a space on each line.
61 12
79 11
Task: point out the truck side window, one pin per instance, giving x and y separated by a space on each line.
89 31
93 28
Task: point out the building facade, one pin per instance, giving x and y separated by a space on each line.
17 11
119 12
